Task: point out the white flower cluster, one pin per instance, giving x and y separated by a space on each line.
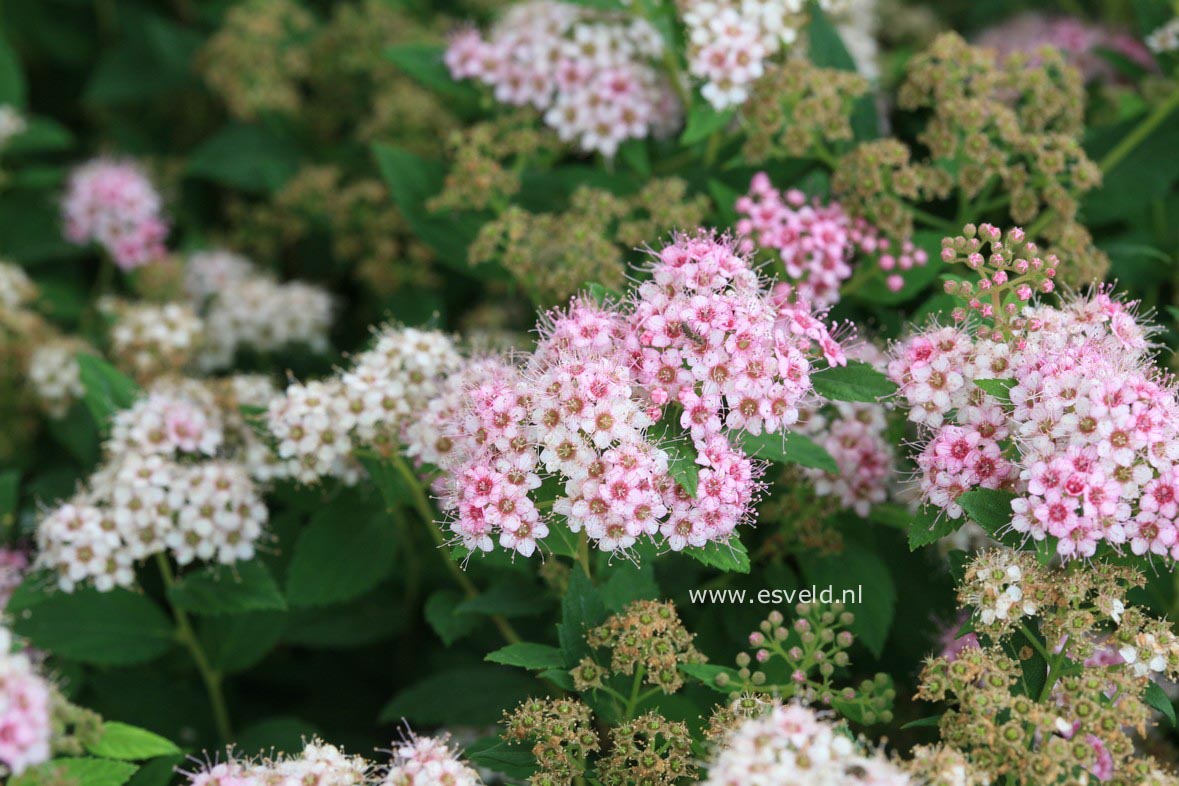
319 424
150 339
12 123
179 477
791 744
995 588
731 43
16 288
1165 38
429 761
244 308
54 373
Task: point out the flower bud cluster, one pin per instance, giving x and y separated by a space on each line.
1090 654
798 108
647 636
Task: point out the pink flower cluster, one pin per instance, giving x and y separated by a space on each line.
592 73
25 710
817 242
856 436
619 405
1087 436
1081 42
113 203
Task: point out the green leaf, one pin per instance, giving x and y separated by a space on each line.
246 157
629 582
989 508
1157 698
998 388
674 440
857 381
228 589
372 618
859 568
83 771
114 628
826 48
495 754
156 772
412 180
106 389
424 64
345 551
789 448
236 642
931 722
12 77
704 121
468 696
926 528
121 741
581 609
603 294
729 557
509 597
528 655
282 733
707 674
444 617
386 478
42 135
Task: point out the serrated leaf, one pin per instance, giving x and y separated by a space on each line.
629 582
118 627
228 589
83 771
1157 698
12 76
857 381
246 157
528 655
106 390
508 597
989 508
998 388
730 556
859 567
704 121
237 642
925 529
932 722
371 618
707 674
468 696
444 617
671 437
122 741
345 551
789 448
581 609
495 754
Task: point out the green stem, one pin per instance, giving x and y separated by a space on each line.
422 506
583 554
633 702
1140 132
187 636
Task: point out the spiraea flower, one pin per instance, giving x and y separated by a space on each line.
318 425
790 743
178 477
428 761
26 718
592 73
1164 38
152 339
1081 426
817 242
54 373
318 764
114 204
